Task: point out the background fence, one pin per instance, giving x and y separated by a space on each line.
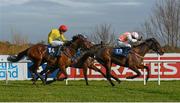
166 67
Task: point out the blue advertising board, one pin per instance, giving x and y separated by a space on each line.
11 68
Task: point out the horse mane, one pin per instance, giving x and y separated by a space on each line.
152 39
139 43
77 36
67 43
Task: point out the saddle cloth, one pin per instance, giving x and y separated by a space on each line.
51 50
121 51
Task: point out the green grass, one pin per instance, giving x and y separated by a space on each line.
97 91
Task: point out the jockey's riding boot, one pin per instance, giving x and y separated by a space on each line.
58 50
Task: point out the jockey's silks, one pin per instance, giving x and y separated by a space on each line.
55 35
124 37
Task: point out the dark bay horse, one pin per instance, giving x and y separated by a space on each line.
39 55
134 60
82 62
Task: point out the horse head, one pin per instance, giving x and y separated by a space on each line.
81 41
154 45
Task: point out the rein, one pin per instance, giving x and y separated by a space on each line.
137 54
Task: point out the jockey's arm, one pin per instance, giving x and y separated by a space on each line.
50 38
63 38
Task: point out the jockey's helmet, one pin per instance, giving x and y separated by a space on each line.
63 28
135 35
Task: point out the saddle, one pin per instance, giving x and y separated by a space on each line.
121 51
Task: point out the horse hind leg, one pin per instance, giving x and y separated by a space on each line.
36 66
107 66
42 72
108 73
137 75
115 78
98 70
32 74
48 73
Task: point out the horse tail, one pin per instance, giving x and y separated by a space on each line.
18 57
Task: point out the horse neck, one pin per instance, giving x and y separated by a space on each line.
69 51
142 49
72 48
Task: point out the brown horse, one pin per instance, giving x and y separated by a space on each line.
82 62
134 60
39 55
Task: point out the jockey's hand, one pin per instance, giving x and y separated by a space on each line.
140 38
66 43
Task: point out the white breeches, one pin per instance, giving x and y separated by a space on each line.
122 44
57 43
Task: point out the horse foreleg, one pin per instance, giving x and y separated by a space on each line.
48 70
62 70
48 73
58 75
147 69
85 74
33 78
148 72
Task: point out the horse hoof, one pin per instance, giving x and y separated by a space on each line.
113 85
33 83
54 79
50 81
44 83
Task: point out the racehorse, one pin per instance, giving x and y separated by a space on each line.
82 62
38 54
134 60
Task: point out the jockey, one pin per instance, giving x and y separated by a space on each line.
56 37
127 39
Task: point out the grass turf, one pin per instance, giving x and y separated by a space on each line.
97 91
